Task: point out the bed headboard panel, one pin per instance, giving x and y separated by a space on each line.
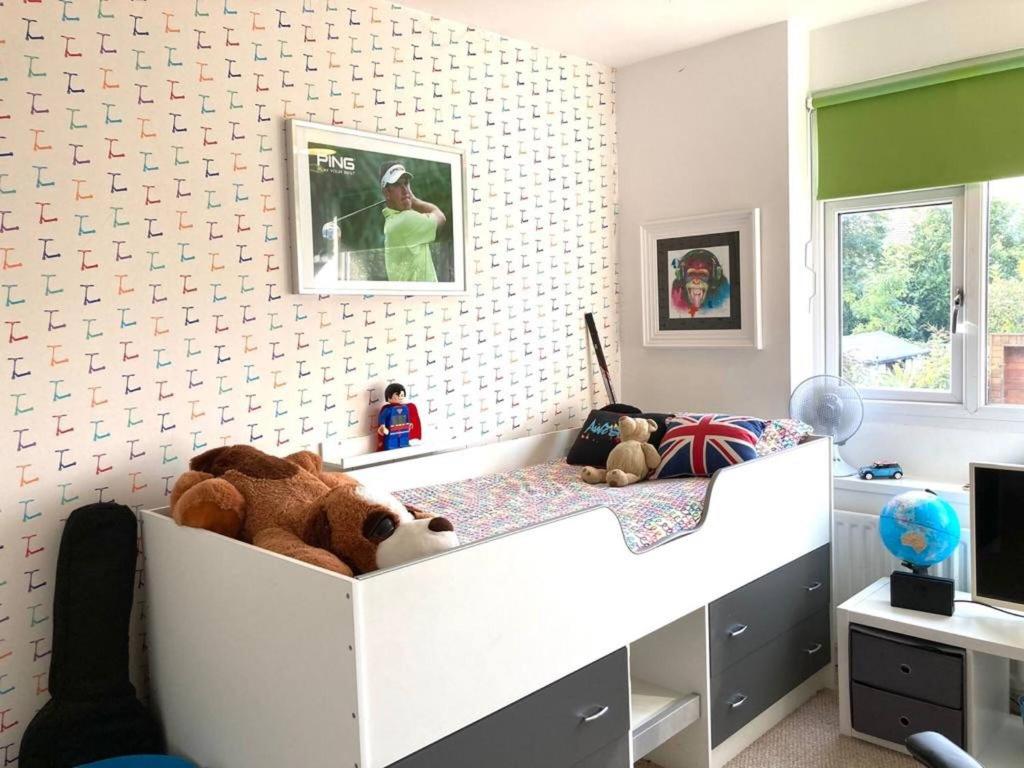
453 466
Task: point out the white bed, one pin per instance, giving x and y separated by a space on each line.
260 660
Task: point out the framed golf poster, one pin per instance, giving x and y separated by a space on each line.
702 281
375 215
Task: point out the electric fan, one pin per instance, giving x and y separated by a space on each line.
834 408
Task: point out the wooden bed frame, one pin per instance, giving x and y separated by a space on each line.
260 660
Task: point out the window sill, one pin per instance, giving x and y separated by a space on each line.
997 418
952 492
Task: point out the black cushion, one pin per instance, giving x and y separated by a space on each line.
660 419
623 408
600 433
936 751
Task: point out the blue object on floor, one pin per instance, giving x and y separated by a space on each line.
141 761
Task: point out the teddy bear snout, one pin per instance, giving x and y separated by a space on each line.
414 539
440 525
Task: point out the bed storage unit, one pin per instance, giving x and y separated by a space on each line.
258 660
581 721
767 637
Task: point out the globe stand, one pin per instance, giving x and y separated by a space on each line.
917 591
920 570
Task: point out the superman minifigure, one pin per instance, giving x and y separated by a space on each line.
399 421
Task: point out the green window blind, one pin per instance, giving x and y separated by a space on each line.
950 125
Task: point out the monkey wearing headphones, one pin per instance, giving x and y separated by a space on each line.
699 282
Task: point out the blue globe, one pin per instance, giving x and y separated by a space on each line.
919 528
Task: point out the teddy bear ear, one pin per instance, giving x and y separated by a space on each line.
205 461
309 461
654 425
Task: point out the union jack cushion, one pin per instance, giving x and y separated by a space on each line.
699 444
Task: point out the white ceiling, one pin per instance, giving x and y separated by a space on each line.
620 32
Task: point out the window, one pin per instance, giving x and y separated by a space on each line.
1004 322
925 296
898 265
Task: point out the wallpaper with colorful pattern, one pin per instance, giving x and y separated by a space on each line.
145 267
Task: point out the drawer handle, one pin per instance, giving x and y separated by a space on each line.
596 716
814 650
814 587
905 669
904 721
739 702
738 630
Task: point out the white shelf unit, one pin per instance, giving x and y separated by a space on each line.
669 682
658 714
335 456
990 639
1007 745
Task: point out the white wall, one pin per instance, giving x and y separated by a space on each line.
918 36
160 320
701 131
721 127
935 452
914 37
803 281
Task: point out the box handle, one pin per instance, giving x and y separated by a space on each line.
597 715
814 587
739 701
738 630
813 650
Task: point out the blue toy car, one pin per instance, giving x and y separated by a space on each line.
881 470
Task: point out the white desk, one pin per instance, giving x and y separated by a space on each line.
990 639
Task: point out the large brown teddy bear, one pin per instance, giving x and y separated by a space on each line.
293 507
632 460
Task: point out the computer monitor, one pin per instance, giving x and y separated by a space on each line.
997 534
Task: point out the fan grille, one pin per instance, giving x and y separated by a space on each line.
831 405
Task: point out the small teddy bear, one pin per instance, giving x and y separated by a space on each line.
632 460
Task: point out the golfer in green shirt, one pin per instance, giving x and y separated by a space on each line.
410 226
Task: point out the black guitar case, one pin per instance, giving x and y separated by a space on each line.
93 713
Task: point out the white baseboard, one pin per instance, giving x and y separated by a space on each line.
771 717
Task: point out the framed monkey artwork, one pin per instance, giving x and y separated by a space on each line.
702 281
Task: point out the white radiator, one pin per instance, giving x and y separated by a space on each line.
859 557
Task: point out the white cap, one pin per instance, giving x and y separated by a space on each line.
393 174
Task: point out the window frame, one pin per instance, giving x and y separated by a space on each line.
953 196
971 411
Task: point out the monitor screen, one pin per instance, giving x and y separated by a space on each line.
999 533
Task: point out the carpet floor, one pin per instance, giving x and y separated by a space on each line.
809 738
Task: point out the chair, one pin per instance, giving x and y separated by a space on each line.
936 751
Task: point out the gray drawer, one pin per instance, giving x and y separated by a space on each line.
910 667
615 755
749 687
893 718
546 729
747 618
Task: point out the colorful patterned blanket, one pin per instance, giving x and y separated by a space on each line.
483 507
649 513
